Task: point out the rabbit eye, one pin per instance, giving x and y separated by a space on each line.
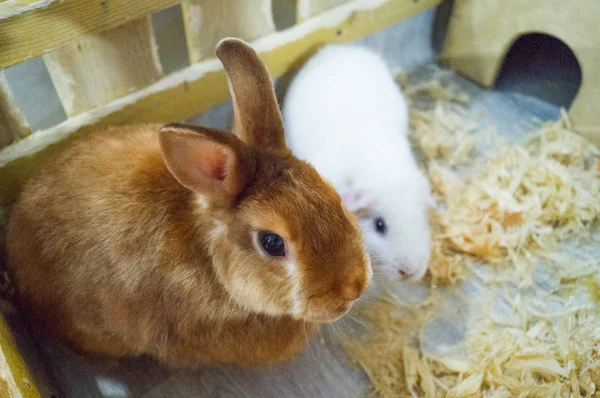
380 226
272 244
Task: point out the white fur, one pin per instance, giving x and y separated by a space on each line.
201 200
345 114
292 273
294 278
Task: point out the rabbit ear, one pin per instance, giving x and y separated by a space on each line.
258 120
213 163
357 202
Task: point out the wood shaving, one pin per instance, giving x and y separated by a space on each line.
525 197
440 135
529 197
386 355
445 265
515 208
441 132
440 129
560 358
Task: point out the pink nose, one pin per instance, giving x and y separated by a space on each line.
405 273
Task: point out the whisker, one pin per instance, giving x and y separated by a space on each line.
309 343
306 338
345 327
357 320
335 329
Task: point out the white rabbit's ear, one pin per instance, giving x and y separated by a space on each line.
357 202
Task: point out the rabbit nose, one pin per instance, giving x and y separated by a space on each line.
407 271
404 273
353 287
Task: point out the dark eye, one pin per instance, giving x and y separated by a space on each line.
272 244
380 225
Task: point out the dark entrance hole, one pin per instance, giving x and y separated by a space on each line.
542 66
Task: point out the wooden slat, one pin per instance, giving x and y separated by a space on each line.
208 21
12 123
100 68
309 8
15 379
10 8
201 86
28 32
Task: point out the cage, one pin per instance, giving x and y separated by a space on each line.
481 323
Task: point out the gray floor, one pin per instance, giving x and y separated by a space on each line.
322 369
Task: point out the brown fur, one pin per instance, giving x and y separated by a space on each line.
138 240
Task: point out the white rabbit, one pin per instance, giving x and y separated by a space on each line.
344 113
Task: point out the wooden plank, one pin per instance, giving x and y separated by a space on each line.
478 56
309 8
481 32
13 126
15 379
201 86
10 8
208 21
27 32
100 68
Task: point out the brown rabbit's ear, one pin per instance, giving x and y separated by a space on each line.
258 120
211 162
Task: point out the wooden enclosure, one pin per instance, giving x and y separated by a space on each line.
481 32
102 58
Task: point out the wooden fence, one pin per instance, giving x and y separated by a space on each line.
102 58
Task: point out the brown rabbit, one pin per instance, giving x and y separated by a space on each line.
187 243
